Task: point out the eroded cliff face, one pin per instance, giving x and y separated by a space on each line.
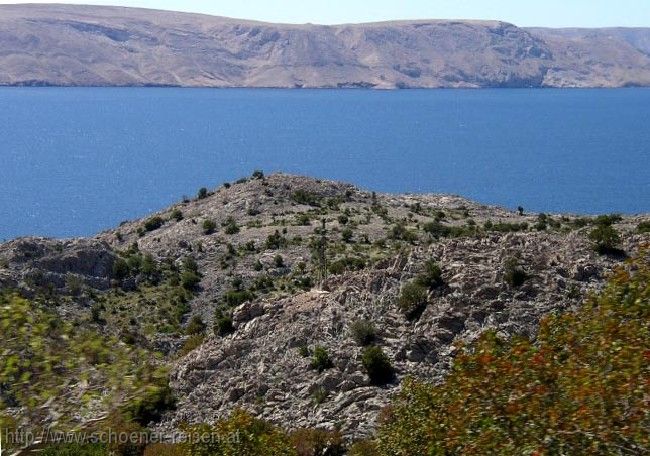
66 45
259 265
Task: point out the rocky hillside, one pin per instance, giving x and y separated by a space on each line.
65 45
265 294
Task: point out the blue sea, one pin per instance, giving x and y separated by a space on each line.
75 161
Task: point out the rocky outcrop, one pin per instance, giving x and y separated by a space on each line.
51 263
261 367
259 265
66 45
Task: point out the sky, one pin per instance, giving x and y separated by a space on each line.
549 13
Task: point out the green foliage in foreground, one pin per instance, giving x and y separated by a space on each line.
583 388
49 366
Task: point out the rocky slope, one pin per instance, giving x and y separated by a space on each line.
259 264
67 45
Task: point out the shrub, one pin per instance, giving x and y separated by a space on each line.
120 269
275 241
364 448
608 220
177 215
346 235
202 193
412 300
254 438
209 226
515 276
580 388
258 174
190 344
315 442
190 279
278 261
400 232
363 332
306 198
195 326
152 404
230 226
643 227
431 277
437 229
234 298
343 219
377 365
223 324
320 359
605 239
303 219
153 223
75 449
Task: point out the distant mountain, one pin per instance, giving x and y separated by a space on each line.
65 45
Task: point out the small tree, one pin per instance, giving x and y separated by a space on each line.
202 193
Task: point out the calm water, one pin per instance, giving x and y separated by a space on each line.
76 161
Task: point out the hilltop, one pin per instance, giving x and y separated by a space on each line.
66 45
262 294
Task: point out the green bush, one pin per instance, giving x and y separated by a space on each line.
258 174
195 326
605 238
230 226
401 233
75 449
153 223
320 359
276 241
412 300
202 193
177 215
278 261
152 404
363 332
377 365
346 235
209 226
514 274
254 438
316 442
223 324
431 276
306 198
437 230
190 279
643 227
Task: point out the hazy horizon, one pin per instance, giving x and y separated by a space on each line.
552 13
